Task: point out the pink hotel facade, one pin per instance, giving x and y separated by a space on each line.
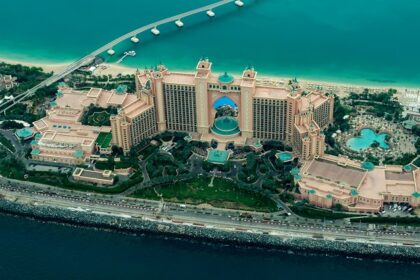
185 102
330 180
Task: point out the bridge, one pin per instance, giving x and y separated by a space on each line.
91 57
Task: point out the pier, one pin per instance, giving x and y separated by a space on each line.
129 53
108 48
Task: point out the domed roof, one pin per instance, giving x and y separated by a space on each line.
367 165
225 126
226 78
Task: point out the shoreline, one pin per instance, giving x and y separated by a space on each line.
115 69
215 235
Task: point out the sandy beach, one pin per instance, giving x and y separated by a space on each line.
114 69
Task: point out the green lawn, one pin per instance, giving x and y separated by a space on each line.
224 194
104 140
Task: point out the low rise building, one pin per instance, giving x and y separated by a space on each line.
410 100
7 82
330 180
105 177
63 138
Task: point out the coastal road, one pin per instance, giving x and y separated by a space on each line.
91 57
204 217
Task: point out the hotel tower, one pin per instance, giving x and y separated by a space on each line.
190 102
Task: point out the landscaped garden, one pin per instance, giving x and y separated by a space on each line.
98 116
371 131
224 193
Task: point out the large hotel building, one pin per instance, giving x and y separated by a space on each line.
188 101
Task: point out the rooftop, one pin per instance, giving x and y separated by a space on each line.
271 92
121 89
78 154
105 175
24 133
409 124
225 126
367 165
225 78
217 156
179 78
336 173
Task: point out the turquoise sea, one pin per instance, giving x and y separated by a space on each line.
359 41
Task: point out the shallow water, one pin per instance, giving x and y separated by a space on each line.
369 42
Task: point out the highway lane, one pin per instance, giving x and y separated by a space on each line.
216 218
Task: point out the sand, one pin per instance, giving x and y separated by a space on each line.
115 69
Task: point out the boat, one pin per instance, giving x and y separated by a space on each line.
111 52
239 3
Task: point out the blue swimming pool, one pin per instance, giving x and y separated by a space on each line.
285 156
366 139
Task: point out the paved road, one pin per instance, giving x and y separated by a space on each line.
275 224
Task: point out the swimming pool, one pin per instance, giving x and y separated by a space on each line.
366 139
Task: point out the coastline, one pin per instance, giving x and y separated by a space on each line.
115 69
291 244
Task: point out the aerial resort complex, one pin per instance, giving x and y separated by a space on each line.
224 113
199 147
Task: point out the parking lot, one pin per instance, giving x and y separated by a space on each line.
397 210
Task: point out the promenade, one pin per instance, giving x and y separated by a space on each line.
38 195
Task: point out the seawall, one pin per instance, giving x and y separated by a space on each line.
136 225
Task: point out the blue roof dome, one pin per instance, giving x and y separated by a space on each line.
226 78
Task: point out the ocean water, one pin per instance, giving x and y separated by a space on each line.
370 42
34 250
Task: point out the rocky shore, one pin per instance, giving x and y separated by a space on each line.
134 225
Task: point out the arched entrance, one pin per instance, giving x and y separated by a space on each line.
225 118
